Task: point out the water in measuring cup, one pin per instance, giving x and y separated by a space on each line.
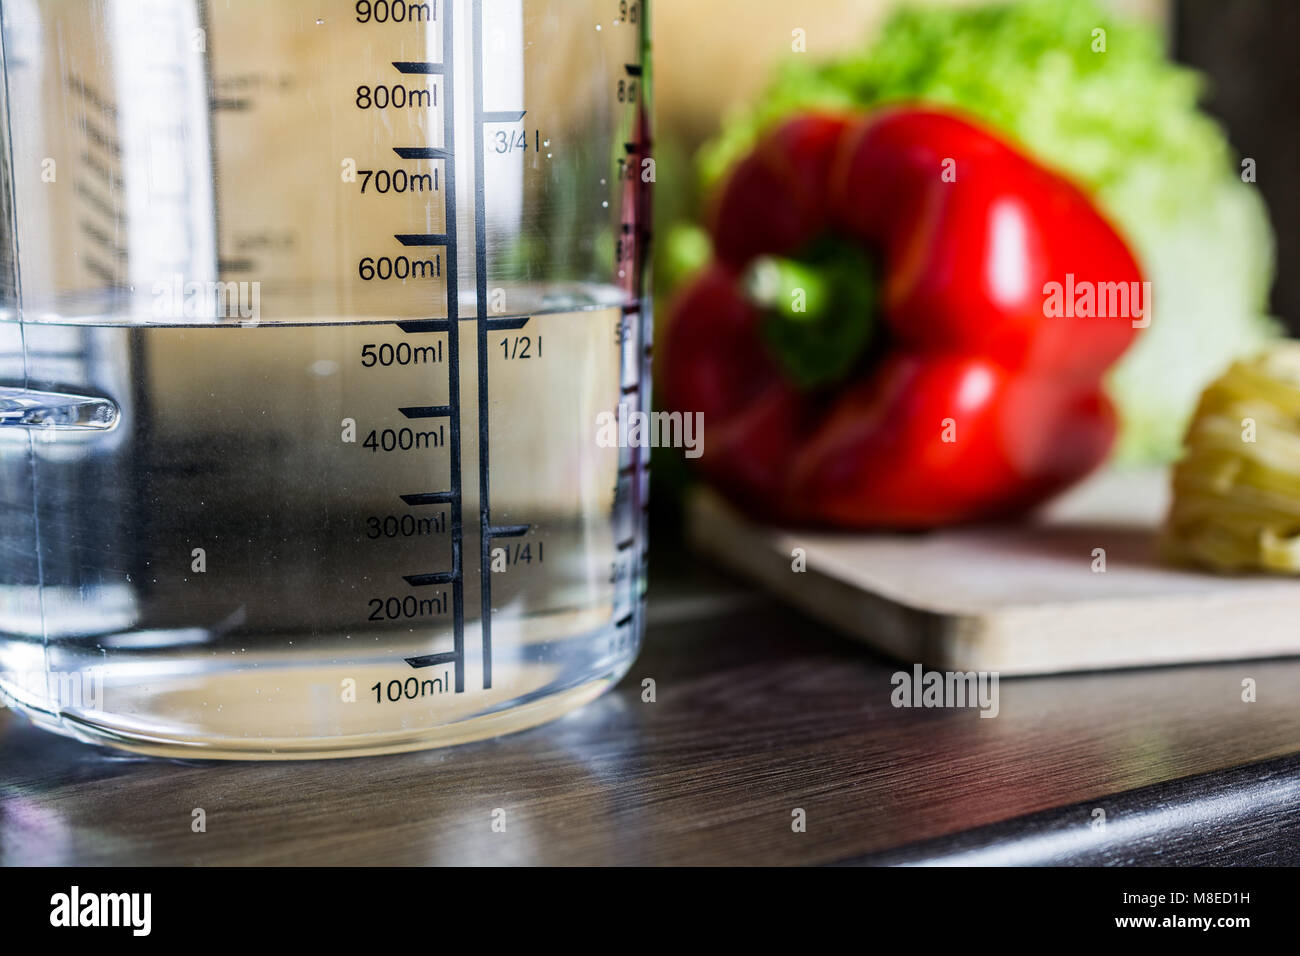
250 558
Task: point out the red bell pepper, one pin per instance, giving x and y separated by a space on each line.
930 377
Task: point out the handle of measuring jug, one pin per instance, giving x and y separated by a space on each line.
22 408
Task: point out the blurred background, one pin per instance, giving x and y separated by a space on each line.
1190 101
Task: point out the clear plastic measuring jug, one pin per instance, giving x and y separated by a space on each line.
309 311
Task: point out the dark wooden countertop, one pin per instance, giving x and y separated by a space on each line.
759 711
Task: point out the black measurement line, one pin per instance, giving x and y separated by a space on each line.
427 152
423 239
424 580
639 463
453 341
417 66
430 498
510 324
505 323
433 660
428 411
633 69
480 273
425 325
496 116
454 577
509 531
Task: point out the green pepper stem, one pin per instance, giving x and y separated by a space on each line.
819 309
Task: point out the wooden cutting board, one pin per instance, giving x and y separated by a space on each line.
1018 599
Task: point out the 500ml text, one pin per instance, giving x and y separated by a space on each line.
403 353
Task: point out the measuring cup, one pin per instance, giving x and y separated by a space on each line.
309 314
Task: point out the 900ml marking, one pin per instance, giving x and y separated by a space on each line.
395 11
410 689
406 608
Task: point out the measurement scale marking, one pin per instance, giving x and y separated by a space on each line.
425 152
481 118
437 577
423 239
433 660
508 324
487 531
428 411
496 116
453 343
501 324
425 325
418 66
430 498
451 412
